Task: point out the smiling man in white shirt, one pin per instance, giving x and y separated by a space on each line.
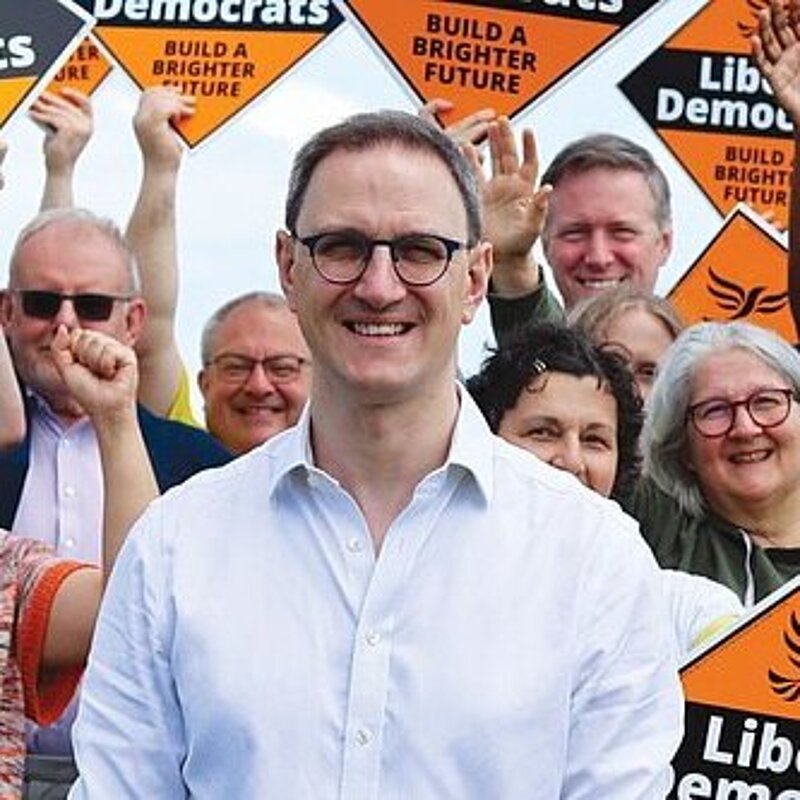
385 601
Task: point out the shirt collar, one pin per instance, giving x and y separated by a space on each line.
43 411
471 448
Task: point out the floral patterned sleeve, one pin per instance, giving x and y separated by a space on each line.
30 577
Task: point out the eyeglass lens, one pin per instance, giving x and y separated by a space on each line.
767 408
342 256
279 369
45 305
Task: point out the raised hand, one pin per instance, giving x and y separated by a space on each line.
514 209
68 123
158 106
152 235
472 129
100 373
776 50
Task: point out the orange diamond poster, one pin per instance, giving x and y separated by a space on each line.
33 37
502 54
704 96
742 738
85 69
741 275
223 52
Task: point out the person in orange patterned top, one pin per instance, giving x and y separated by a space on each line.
48 605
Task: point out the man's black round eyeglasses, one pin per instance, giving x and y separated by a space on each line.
419 259
90 307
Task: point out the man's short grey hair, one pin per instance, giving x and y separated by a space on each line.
664 437
78 217
367 131
609 151
269 300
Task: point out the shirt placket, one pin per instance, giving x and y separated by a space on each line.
374 640
78 520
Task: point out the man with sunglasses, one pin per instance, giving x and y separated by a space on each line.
386 600
70 268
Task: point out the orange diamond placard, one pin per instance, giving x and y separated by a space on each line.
742 729
85 69
704 96
502 54
742 274
34 36
224 53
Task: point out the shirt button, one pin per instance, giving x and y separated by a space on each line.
69 543
373 638
363 737
69 491
354 545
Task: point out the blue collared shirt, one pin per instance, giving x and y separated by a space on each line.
510 641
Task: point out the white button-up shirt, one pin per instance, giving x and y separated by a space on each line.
62 499
61 504
510 641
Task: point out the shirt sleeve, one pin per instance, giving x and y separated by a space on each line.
627 705
128 736
510 314
700 608
46 697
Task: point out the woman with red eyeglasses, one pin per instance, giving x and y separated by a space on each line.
721 445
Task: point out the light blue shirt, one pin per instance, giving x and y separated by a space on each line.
62 499
510 641
61 504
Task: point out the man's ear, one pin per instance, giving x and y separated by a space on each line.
5 307
667 239
284 257
476 285
202 381
135 318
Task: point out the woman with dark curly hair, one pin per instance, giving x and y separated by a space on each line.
552 392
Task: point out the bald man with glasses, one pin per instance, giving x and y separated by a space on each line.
256 370
70 269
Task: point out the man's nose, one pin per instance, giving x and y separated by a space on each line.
379 285
598 250
66 316
259 380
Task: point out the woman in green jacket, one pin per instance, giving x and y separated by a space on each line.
721 445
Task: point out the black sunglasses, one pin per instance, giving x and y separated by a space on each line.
90 307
